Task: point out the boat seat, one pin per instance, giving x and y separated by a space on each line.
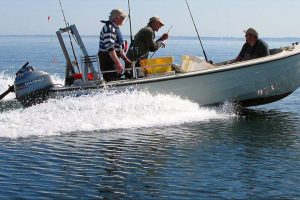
275 51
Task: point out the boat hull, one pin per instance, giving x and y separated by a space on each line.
249 83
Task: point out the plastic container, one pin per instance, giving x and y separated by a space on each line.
157 65
194 63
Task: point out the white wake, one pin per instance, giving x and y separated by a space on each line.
99 112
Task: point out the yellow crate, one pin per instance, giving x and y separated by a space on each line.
157 65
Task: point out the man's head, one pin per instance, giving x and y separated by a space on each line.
251 36
156 23
117 16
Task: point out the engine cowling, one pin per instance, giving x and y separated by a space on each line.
32 86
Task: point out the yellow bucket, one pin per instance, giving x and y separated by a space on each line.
157 65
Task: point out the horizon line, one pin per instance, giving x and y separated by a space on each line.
178 36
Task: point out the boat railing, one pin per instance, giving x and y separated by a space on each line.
94 60
86 61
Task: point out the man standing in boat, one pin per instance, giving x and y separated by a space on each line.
144 40
254 47
111 46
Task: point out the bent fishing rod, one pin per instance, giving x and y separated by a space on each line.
67 24
197 31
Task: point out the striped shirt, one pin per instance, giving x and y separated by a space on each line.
110 38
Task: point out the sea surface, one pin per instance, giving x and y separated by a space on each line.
135 145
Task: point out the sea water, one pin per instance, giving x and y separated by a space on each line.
136 145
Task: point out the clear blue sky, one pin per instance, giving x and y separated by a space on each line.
272 18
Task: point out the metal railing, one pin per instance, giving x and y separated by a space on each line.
86 61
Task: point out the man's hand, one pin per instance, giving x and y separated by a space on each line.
161 44
119 68
165 36
118 65
128 62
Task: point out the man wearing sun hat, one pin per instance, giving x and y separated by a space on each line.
254 47
144 41
111 46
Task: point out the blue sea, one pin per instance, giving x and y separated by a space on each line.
135 145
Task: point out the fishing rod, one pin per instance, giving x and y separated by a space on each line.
131 46
67 25
167 33
129 17
196 31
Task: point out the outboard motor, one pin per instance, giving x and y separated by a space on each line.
31 86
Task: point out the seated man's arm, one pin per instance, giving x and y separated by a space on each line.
262 50
241 55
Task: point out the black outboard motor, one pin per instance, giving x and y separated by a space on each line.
31 86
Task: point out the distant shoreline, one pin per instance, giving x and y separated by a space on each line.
171 37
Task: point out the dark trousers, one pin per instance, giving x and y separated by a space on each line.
107 64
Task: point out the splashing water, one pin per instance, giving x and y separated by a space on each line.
6 80
104 111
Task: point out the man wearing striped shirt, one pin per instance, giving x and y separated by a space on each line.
111 46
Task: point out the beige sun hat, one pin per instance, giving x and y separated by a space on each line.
156 19
251 31
116 13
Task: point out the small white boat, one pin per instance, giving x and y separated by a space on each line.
248 83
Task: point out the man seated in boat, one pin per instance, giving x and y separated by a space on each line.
144 40
253 48
111 46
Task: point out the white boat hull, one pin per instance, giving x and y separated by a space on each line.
248 83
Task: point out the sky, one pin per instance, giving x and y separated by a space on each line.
213 18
